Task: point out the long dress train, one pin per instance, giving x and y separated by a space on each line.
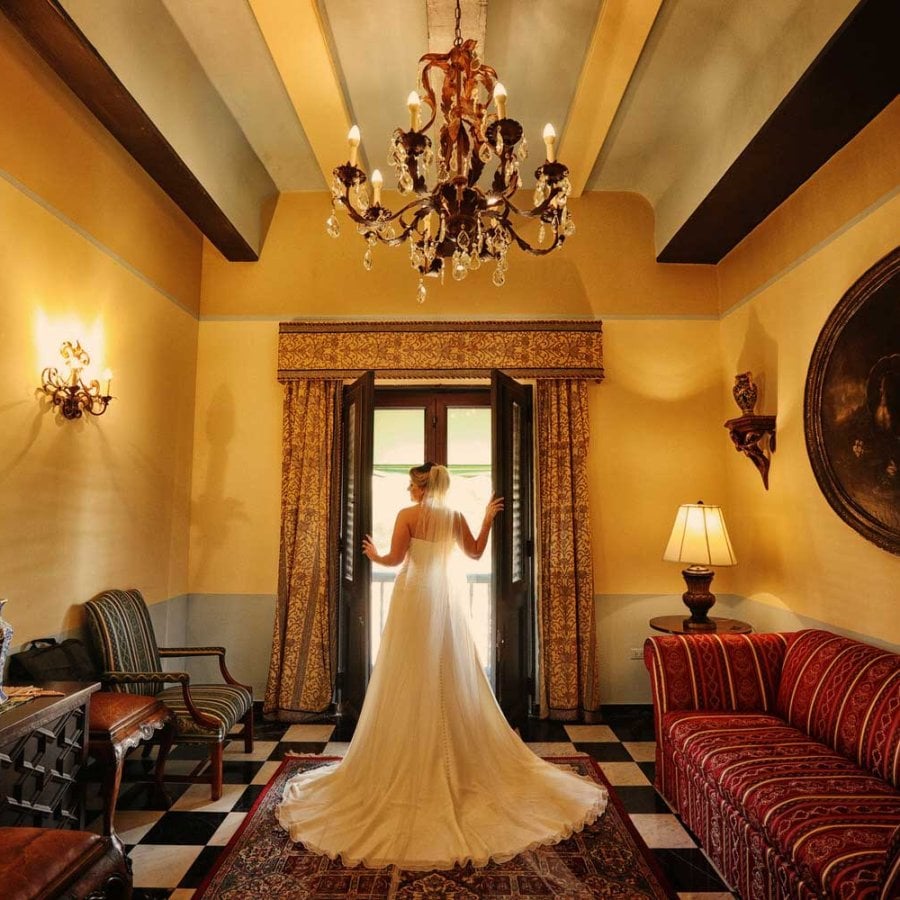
434 775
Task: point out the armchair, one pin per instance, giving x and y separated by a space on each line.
122 633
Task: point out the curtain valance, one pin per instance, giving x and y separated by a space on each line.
543 349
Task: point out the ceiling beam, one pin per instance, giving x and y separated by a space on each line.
853 78
298 41
619 37
62 45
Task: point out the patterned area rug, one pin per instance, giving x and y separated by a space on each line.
606 859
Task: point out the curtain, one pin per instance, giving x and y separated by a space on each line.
569 687
302 668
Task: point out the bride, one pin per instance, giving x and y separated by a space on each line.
434 775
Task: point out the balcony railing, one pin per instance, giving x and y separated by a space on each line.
478 606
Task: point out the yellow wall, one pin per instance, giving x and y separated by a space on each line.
795 551
607 267
90 249
236 505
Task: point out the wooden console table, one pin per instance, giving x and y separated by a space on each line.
42 749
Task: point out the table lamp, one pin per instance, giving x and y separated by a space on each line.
699 538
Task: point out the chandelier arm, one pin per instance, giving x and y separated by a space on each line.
360 219
535 213
534 251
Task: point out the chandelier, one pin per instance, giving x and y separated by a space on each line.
453 222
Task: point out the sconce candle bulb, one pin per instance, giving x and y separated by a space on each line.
68 391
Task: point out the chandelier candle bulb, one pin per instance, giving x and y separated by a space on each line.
500 100
377 184
550 141
412 104
107 377
353 138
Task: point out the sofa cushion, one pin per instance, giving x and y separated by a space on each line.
890 879
847 695
814 806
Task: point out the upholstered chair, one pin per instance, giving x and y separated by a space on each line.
122 633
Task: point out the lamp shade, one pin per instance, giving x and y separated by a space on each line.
699 537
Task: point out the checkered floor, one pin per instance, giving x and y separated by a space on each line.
173 850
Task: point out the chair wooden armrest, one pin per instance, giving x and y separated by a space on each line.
205 651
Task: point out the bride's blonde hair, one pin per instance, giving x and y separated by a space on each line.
433 479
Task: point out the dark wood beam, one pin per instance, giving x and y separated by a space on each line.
854 77
56 37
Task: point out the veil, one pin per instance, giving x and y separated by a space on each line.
437 522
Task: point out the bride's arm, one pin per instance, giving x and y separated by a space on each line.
472 546
399 542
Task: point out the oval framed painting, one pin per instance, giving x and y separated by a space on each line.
852 405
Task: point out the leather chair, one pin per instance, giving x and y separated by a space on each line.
122 632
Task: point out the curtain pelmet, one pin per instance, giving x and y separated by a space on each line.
302 668
569 687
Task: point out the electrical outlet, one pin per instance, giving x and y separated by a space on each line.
635 653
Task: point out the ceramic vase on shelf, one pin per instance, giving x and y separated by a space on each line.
745 392
6 634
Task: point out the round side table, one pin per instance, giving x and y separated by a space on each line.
676 625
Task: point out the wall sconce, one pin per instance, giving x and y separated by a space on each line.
70 393
749 430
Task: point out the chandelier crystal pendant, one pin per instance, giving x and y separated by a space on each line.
453 223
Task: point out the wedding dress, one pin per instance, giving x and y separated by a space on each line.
434 775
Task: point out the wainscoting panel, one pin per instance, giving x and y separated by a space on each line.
242 623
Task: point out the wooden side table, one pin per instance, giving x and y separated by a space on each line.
118 723
676 625
42 749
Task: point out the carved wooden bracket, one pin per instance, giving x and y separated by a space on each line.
747 434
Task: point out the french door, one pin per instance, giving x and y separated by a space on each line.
513 545
484 436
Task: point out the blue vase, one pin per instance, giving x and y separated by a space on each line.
6 634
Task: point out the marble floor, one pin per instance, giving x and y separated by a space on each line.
173 849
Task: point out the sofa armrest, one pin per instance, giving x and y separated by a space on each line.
714 672
710 672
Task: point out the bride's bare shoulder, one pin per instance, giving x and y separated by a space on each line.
409 514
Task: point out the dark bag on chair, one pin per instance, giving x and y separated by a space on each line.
47 660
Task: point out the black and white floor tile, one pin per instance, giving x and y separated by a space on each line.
173 849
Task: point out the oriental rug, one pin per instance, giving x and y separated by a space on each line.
606 859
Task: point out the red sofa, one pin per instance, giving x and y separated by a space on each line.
781 752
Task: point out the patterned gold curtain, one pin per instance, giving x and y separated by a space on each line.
301 672
570 686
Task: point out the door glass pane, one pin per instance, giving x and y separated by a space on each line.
469 462
514 503
350 488
399 444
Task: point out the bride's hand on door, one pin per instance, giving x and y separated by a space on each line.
368 548
495 506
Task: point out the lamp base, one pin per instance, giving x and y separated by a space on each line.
698 598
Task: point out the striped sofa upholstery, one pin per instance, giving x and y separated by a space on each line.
781 753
